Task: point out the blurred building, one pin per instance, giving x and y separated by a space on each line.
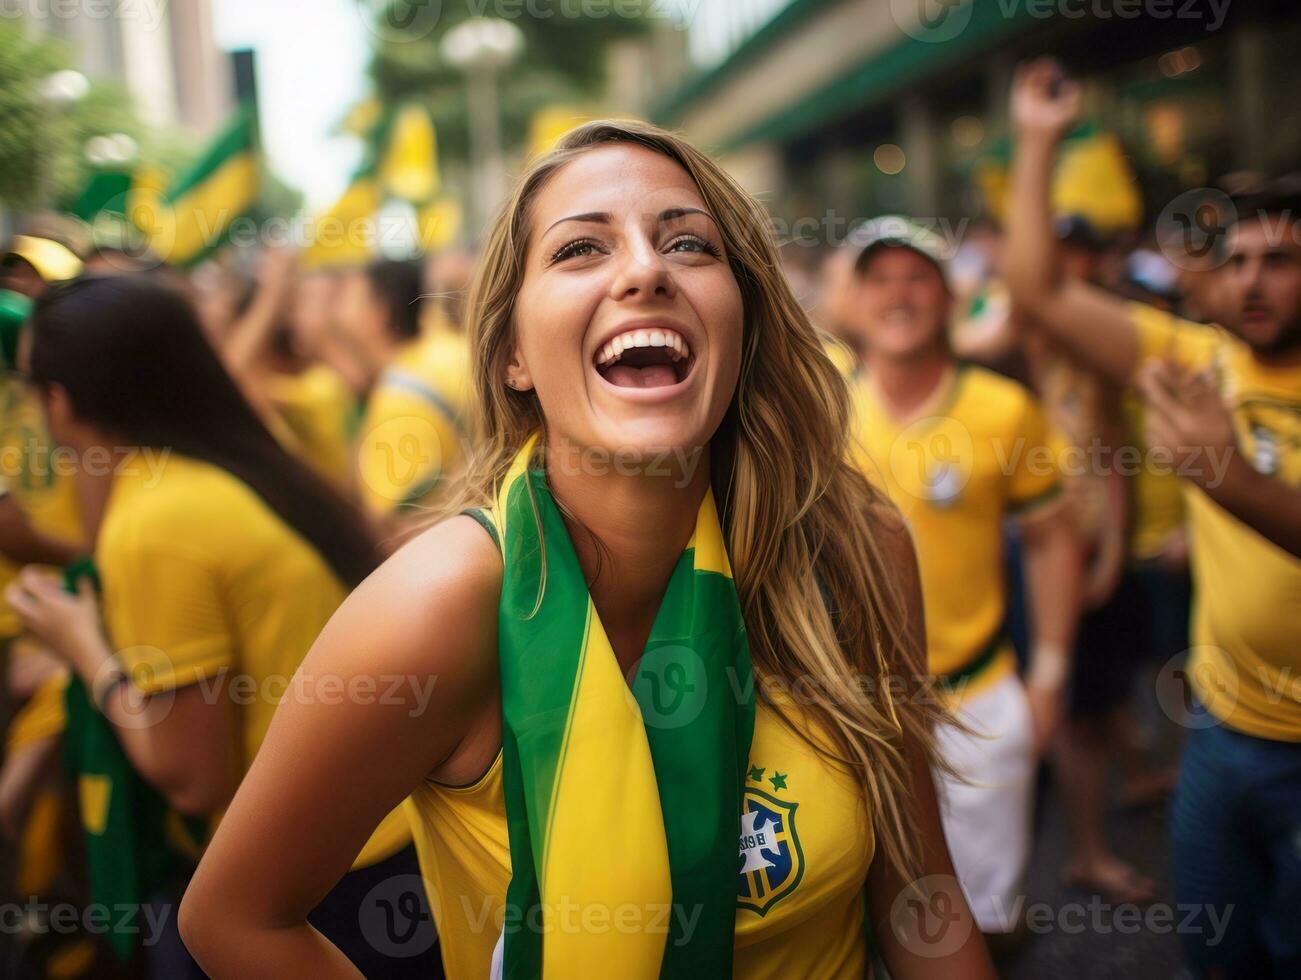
865 106
163 52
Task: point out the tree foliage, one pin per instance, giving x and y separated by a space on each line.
563 61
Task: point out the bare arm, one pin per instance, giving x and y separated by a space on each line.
1187 417
251 333
330 769
1053 573
924 928
1089 322
183 742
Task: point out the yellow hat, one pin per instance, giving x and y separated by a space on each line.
53 262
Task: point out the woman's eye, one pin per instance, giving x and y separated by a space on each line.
577 249
693 243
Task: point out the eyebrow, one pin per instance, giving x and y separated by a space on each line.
603 217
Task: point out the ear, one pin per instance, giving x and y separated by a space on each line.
517 372
58 408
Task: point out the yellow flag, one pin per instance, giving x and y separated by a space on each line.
409 169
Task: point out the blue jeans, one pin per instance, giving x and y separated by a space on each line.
1237 854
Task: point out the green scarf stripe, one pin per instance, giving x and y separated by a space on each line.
697 765
537 683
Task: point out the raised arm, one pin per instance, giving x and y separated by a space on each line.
1091 323
414 652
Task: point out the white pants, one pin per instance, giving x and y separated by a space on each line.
986 812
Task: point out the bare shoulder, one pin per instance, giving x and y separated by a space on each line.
430 608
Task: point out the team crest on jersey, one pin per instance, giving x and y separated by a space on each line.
771 860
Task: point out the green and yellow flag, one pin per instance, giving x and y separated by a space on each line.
623 798
194 216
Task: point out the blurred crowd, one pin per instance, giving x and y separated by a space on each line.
1048 485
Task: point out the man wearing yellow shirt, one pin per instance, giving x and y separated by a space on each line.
1225 409
960 449
410 434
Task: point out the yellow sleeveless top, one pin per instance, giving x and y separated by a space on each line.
805 845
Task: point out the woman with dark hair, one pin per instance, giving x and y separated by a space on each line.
221 557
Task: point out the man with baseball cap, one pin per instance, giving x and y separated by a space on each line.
960 449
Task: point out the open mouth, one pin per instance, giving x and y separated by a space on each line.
656 358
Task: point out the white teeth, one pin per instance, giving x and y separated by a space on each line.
615 347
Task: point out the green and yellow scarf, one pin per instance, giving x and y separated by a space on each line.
622 801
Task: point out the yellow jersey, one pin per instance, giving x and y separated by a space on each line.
1157 494
1245 664
805 843
318 408
37 476
979 451
201 577
410 435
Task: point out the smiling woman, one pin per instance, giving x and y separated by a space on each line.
681 726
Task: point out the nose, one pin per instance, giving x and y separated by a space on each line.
642 272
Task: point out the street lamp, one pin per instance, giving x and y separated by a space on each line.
480 48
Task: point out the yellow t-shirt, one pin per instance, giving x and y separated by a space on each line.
317 407
979 452
1246 625
799 911
39 479
1157 495
200 576
410 435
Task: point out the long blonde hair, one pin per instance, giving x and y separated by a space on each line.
823 609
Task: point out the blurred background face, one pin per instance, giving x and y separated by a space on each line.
1080 262
363 316
902 304
624 259
1260 285
836 293
313 310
